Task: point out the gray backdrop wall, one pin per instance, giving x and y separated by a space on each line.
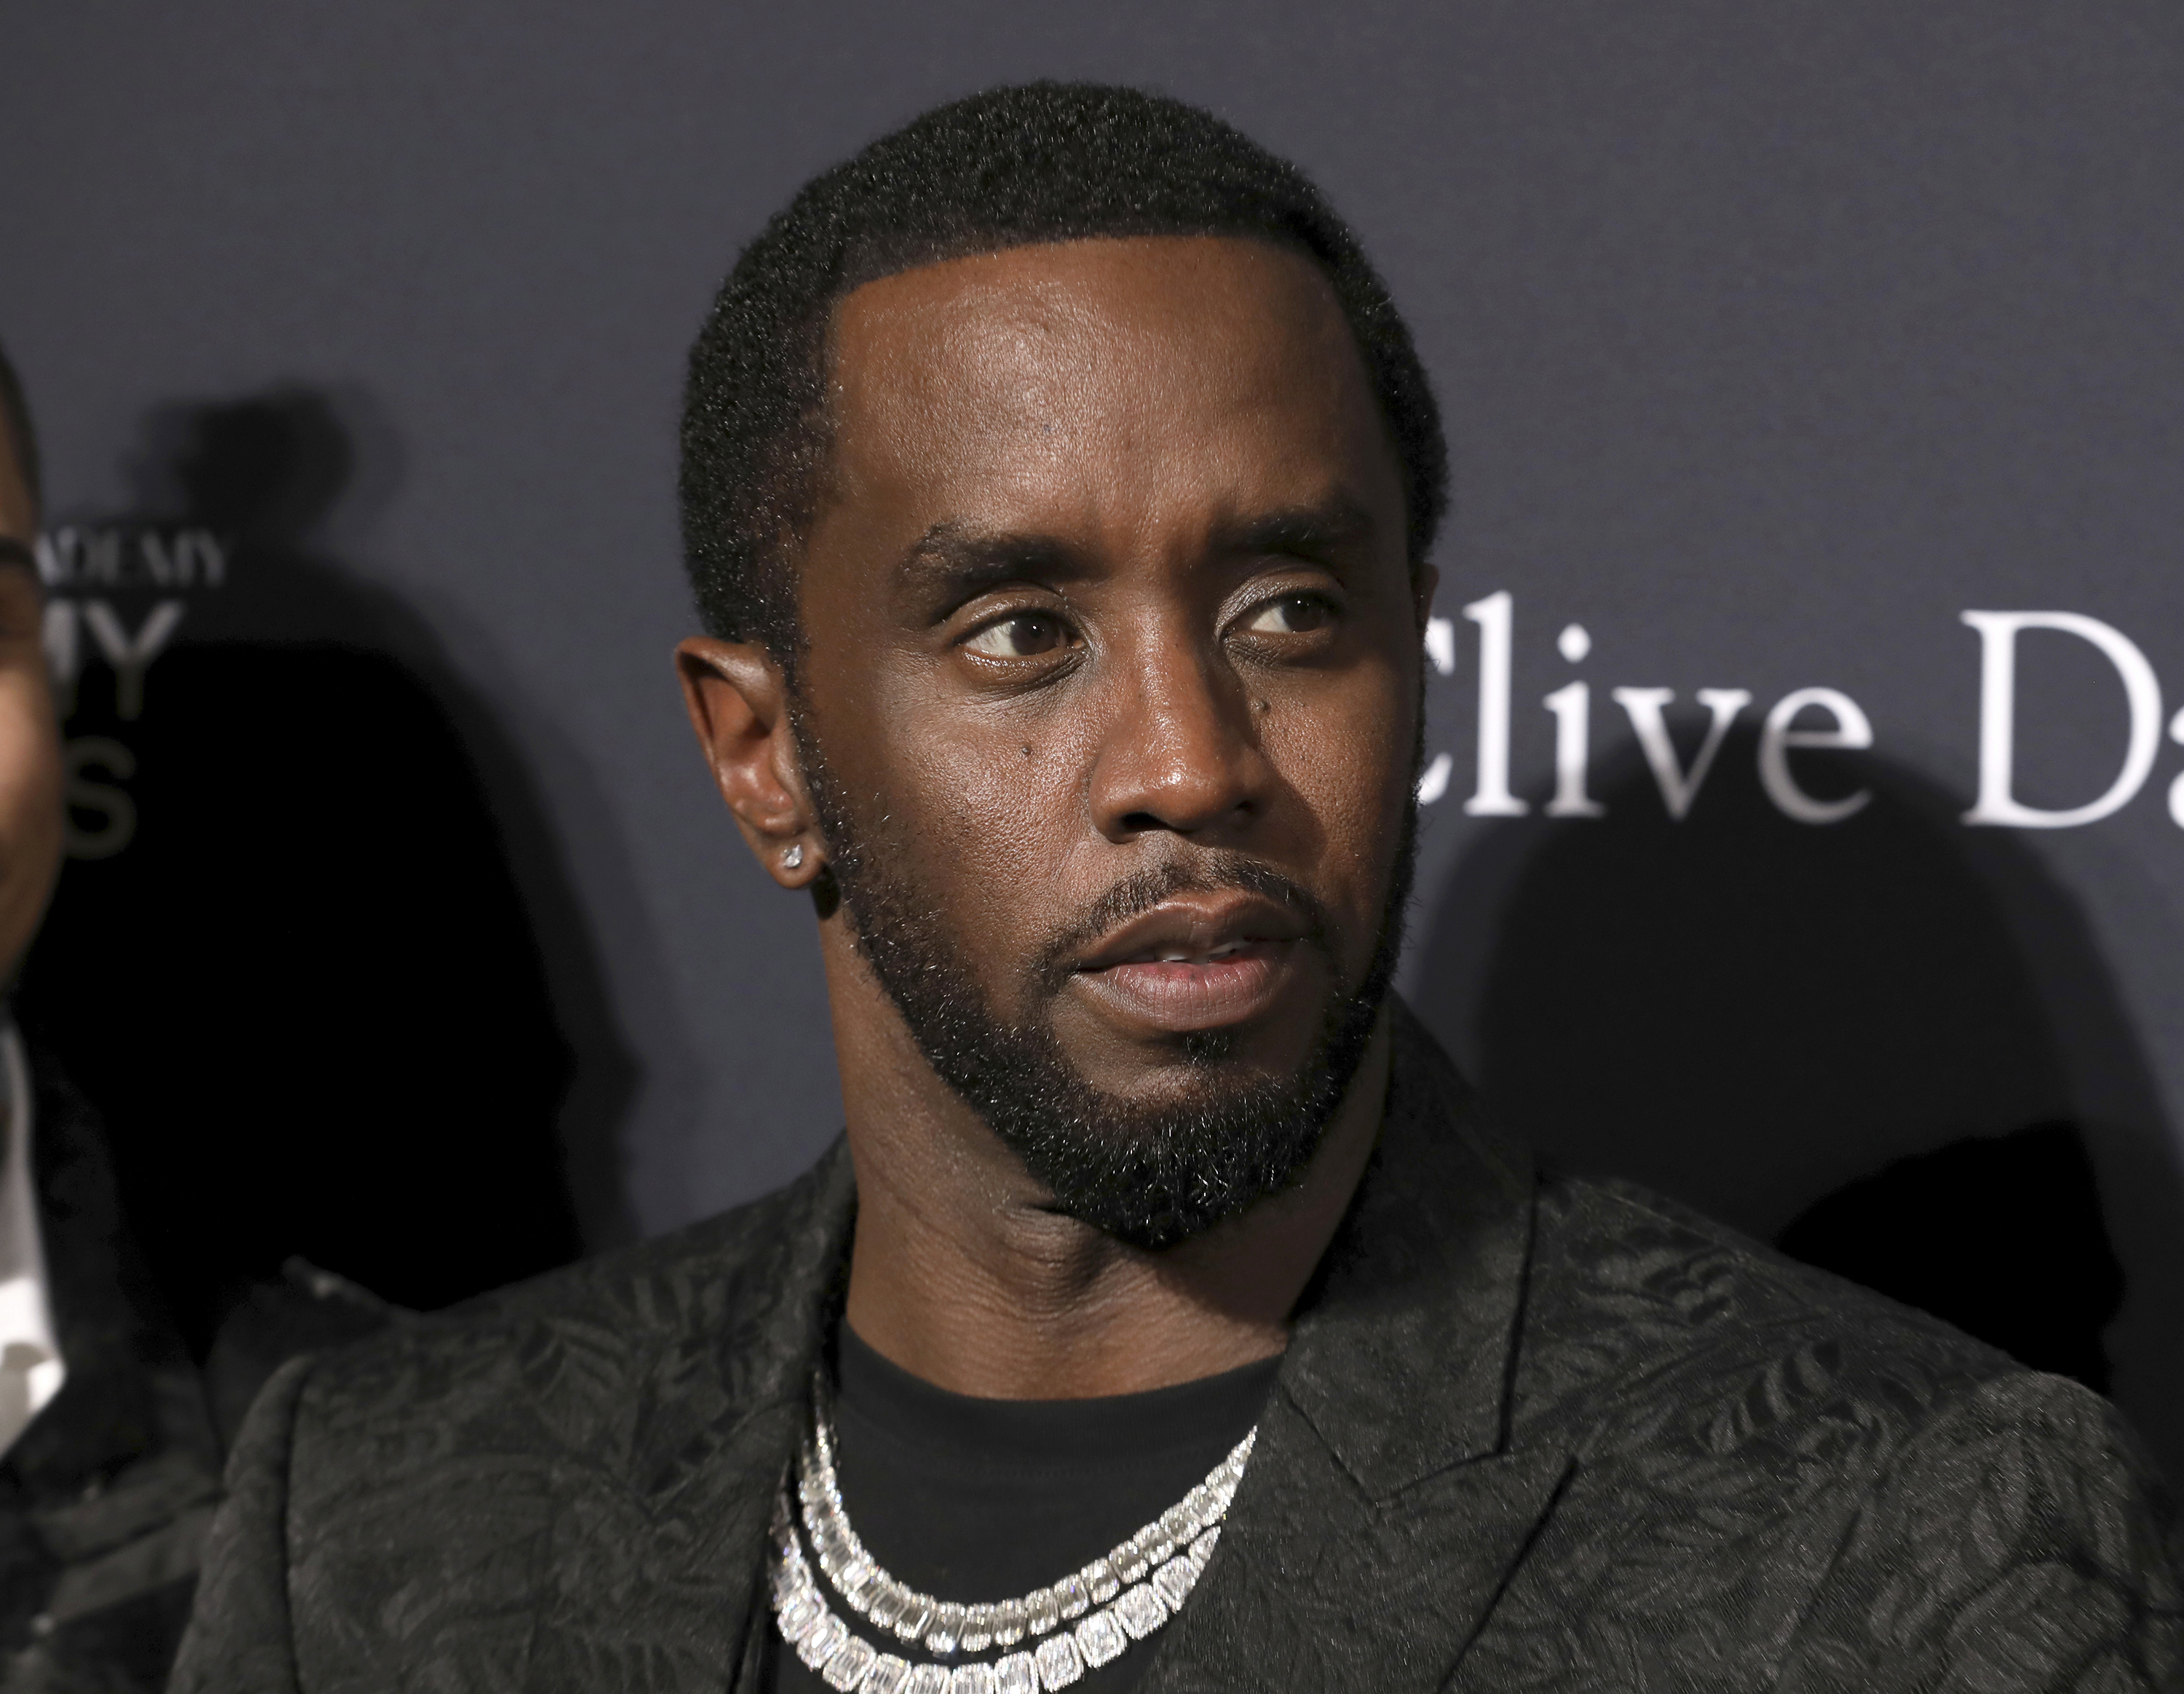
1774 338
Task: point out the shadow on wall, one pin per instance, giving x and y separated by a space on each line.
314 954
1888 1044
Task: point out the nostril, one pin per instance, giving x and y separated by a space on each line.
1144 822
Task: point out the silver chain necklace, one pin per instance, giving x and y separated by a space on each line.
1137 1588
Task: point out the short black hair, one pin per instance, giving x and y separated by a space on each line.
15 411
1012 167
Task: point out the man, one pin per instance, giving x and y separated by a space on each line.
1059 483
110 1469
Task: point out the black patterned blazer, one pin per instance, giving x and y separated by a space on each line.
1529 1435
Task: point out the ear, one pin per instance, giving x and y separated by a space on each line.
739 705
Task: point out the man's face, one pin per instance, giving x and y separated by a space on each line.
1109 703
30 738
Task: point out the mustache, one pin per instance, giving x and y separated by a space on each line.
1213 872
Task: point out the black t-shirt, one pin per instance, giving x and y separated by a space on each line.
973 1500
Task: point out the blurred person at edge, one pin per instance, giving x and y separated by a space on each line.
110 1457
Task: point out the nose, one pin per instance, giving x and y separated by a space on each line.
1178 750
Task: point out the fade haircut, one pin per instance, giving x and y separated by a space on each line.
15 413
1013 167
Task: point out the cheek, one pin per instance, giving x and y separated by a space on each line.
987 824
29 808
1346 756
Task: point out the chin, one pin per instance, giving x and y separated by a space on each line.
1198 1067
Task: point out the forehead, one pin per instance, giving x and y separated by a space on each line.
1211 368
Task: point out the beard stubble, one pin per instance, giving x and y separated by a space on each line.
1152 1174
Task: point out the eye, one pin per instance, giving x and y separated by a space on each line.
1026 635
1291 615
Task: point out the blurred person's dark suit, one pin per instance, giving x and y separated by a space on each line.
107 1491
106 1495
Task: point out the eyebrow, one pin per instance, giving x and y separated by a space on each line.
1304 531
959 560
13 552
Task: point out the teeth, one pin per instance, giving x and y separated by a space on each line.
1175 956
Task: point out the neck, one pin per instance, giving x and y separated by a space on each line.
961 1274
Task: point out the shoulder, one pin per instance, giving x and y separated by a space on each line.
551 1465
2017 1533
1767 1463
561 1360
1635 1297
1693 1372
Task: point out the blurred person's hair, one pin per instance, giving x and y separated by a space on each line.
15 411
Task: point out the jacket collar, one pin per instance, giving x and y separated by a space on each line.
725 1477
1399 1362
1385 1506
110 1411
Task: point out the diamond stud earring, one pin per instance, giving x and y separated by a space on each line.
794 857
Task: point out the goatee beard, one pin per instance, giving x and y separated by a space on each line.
1153 1175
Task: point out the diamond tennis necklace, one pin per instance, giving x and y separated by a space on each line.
1135 1589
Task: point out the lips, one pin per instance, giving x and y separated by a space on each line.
1195 963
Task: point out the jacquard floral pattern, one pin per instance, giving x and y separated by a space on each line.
1528 1436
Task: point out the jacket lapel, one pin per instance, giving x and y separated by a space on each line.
707 1482
1383 1510
636 1551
